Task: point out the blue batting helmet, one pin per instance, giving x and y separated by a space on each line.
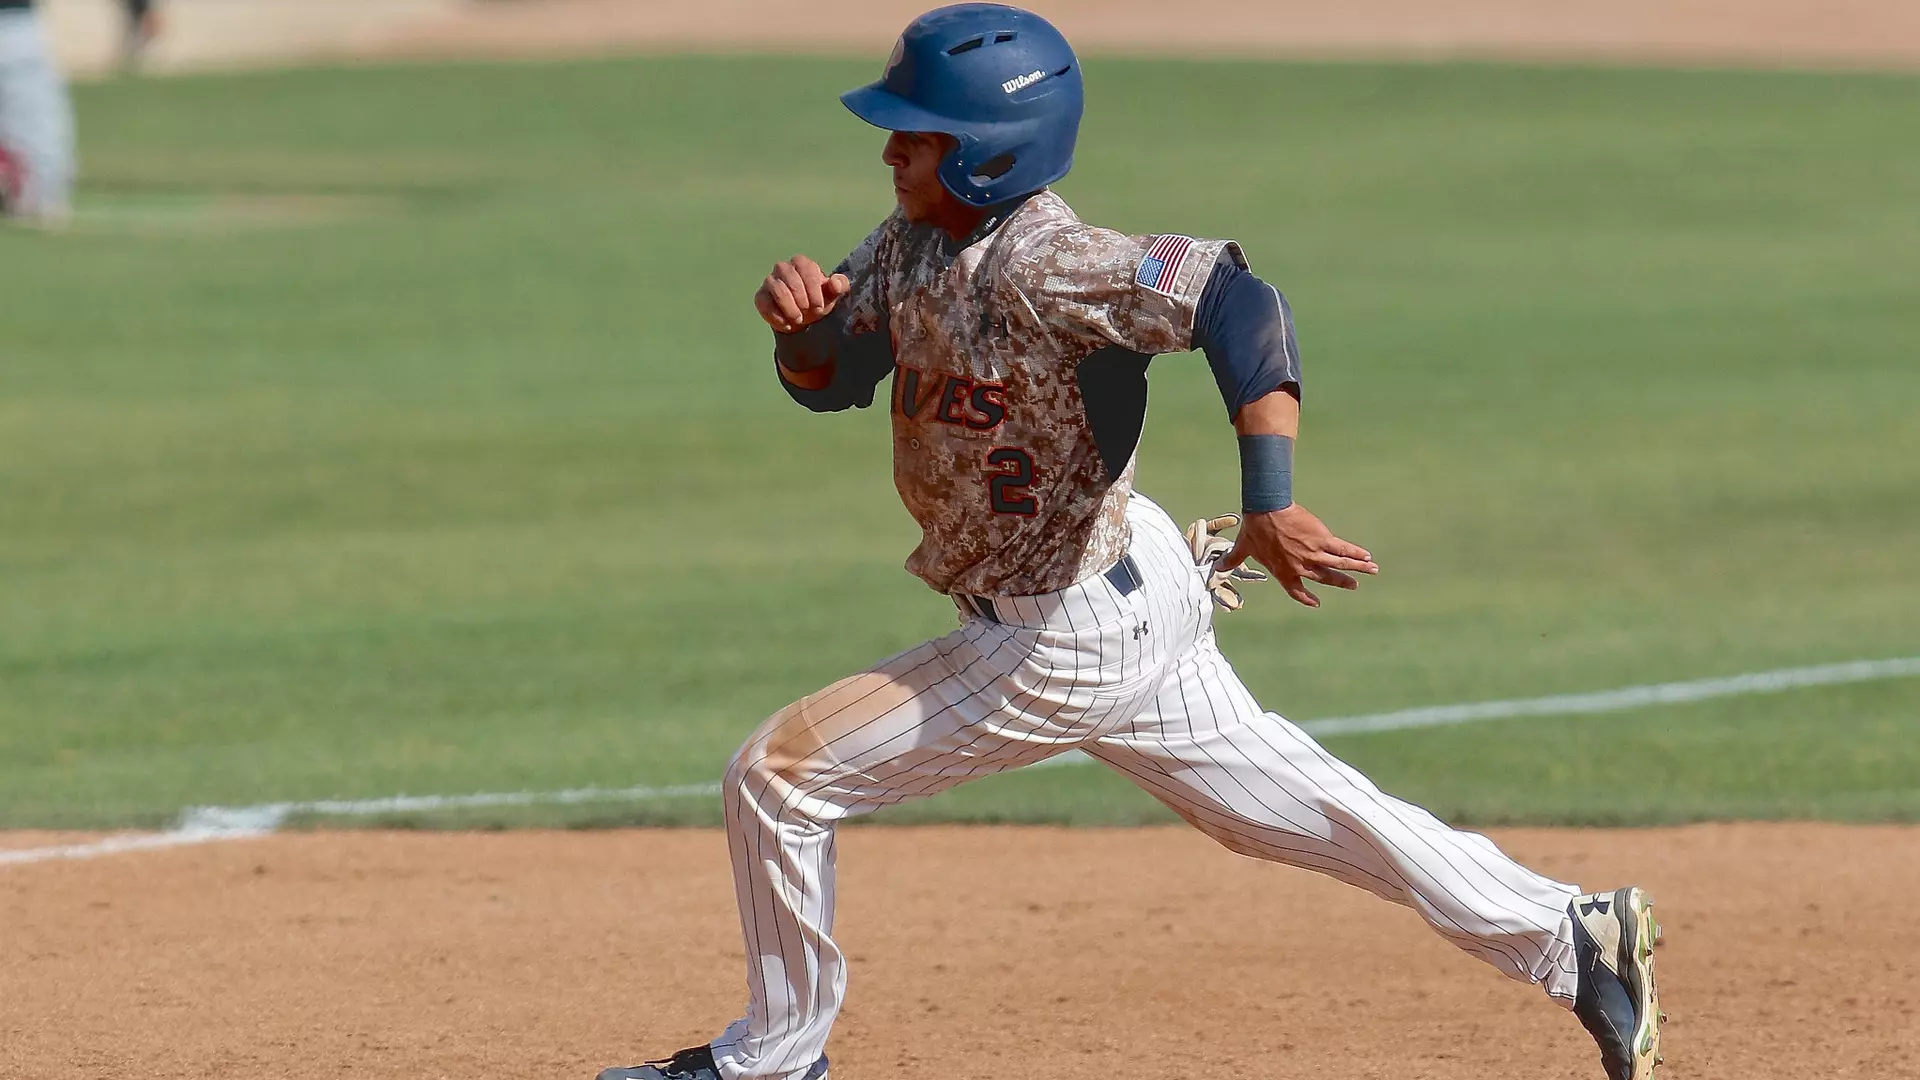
1000 80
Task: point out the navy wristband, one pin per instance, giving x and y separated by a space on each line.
1266 473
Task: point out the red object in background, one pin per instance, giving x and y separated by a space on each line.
13 175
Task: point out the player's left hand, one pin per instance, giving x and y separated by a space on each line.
1298 548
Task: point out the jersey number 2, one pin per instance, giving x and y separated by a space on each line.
1007 488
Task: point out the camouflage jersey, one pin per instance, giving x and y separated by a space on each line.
995 350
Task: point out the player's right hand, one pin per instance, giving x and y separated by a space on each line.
798 294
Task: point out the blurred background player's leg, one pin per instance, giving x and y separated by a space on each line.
36 122
143 26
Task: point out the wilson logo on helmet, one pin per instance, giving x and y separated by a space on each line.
1021 82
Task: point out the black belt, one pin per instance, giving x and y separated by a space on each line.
1124 576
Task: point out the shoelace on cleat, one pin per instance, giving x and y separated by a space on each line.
685 1063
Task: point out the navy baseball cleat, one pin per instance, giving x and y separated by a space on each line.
693 1063
1613 937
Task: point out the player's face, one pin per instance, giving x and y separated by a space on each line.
915 159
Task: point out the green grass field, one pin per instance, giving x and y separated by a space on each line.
481 481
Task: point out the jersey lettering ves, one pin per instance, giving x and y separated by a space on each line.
993 451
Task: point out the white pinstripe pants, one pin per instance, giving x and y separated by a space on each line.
1139 683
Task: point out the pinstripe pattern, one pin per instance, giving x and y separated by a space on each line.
1138 682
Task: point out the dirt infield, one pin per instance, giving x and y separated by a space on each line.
223 33
976 952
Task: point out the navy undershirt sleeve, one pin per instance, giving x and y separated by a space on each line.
1246 329
859 362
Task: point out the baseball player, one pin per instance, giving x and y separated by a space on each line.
1017 339
36 121
37 159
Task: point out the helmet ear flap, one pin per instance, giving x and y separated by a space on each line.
973 178
994 168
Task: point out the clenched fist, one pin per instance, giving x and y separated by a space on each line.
798 294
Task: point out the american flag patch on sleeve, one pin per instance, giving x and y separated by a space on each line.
1161 268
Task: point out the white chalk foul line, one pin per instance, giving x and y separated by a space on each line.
270 816
1602 701
209 824
1627 697
115 845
